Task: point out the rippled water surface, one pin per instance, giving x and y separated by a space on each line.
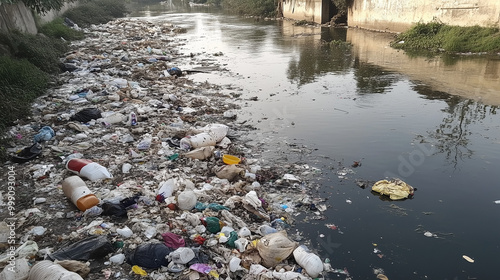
431 121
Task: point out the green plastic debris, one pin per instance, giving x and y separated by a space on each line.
173 157
200 206
233 236
212 224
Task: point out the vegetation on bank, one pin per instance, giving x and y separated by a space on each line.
96 12
439 37
261 8
27 61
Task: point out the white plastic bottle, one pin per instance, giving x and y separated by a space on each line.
197 141
88 169
132 119
47 270
77 191
309 261
182 255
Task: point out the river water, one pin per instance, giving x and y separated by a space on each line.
430 121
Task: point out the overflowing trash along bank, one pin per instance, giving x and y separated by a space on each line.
129 170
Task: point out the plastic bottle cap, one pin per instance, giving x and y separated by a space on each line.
87 202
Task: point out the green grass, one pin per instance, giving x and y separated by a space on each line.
20 83
261 8
57 29
438 37
42 51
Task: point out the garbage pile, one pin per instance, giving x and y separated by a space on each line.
129 169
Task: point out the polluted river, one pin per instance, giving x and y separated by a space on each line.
317 116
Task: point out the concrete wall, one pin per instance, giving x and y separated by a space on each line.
309 10
399 15
17 17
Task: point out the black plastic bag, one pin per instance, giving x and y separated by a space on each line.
87 115
94 247
116 211
151 255
129 201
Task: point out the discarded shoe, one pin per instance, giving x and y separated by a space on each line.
27 153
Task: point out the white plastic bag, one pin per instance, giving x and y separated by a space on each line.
186 200
275 247
19 271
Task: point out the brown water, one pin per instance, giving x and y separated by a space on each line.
432 122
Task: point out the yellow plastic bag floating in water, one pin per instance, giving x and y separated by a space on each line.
395 189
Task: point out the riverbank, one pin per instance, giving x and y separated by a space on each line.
121 70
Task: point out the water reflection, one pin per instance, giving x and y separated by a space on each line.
372 78
324 58
453 136
468 76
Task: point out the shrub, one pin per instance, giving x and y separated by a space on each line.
440 37
96 12
253 8
57 29
20 83
41 51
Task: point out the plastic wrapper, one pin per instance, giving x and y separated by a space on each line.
395 189
94 247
